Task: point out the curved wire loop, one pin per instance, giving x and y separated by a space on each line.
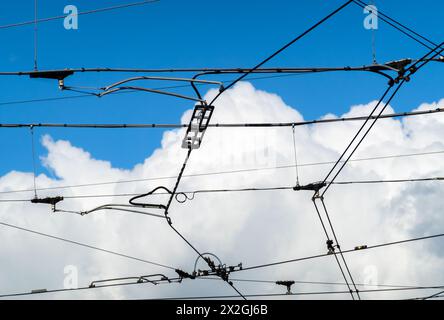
207 260
150 205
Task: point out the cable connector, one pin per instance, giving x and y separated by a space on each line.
331 247
361 247
185 275
287 284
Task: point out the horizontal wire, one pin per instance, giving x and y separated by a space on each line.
5 103
45 291
317 283
389 181
226 172
215 125
300 293
204 191
84 245
273 264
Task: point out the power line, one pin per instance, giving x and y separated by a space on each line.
387 244
331 252
274 264
216 125
319 293
35 35
190 194
214 99
309 30
91 287
324 283
84 245
243 171
401 81
291 72
36 21
389 181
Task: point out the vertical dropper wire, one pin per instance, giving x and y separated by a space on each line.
35 35
295 155
374 33
33 160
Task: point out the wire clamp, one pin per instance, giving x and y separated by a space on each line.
331 247
316 187
49 200
185 275
287 284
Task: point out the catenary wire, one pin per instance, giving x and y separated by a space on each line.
248 170
319 293
9 225
207 191
218 125
285 262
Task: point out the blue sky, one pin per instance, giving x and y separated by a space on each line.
188 34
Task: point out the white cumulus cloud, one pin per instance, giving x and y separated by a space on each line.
248 227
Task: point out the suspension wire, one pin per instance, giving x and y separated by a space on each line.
316 25
339 248
178 280
76 243
33 160
373 38
334 253
217 125
295 156
190 194
35 34
324 283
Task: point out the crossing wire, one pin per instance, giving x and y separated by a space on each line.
268 265
173 193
